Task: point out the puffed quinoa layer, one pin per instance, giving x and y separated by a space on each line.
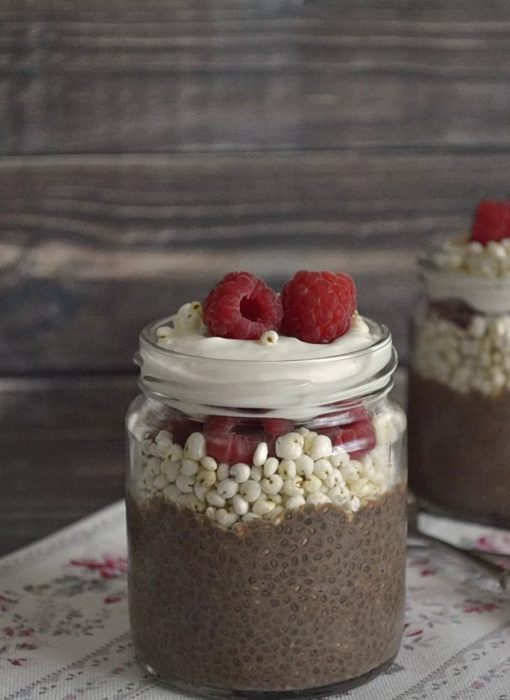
476 358
307 470
491 261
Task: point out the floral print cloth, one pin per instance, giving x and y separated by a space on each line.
64 631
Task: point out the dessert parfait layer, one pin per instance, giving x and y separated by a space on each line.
459 387
266 503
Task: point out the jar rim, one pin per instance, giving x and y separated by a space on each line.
482 293
427 261
196 384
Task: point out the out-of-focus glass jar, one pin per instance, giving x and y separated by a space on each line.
459 385
267 520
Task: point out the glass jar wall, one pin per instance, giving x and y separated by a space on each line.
459 385
267 532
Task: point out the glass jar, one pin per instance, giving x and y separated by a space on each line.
459 385
267 520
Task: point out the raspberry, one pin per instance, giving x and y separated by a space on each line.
278 426
218 437
492 222
220 424
318 306
356 438
242 306
225 444
181 429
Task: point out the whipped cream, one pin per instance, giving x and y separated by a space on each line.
484 295
467 270
285 348
289 378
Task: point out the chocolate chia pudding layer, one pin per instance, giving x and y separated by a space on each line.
313 601
459 450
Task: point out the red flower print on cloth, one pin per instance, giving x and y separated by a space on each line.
18 631
107 567
17 662
413 633
114 598
64 631
6 601
476 606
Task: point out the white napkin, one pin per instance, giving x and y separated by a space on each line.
64 631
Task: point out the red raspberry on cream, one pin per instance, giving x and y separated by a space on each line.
242 307
491 222
318 306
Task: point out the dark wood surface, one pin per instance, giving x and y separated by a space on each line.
128 76
93 248
146 148
63 446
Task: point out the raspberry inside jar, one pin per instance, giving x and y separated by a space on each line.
266 512
459 384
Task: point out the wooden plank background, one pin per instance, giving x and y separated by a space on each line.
95 247
250 75
146 148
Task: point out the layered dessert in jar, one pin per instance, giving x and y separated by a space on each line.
266 492
459 390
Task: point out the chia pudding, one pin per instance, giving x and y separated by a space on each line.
306 603
459 386
267 538
465 446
